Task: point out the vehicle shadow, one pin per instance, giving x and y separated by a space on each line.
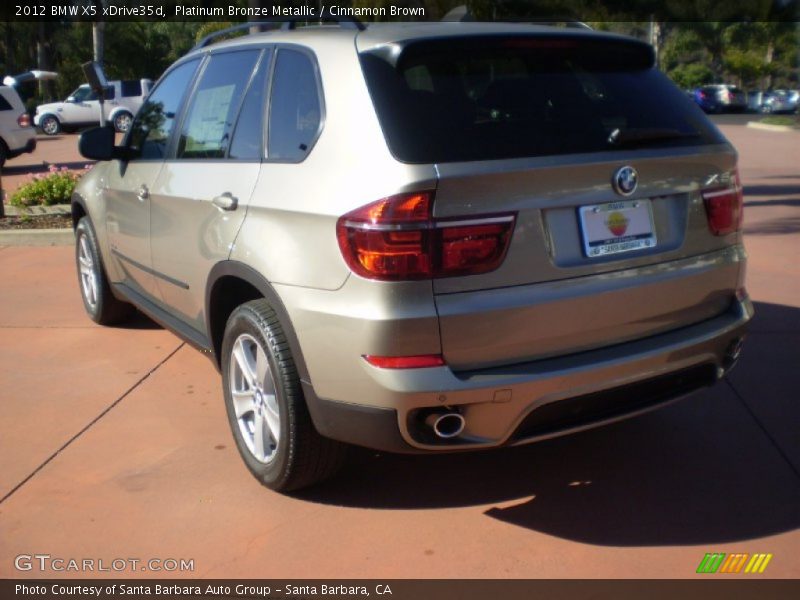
779 226
697 472
138 321
770 190
781 202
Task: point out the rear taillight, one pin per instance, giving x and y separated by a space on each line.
24 120
396 238
724 207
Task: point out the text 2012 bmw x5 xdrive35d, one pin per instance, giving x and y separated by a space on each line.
421 237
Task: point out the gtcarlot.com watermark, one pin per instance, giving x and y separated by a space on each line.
45 563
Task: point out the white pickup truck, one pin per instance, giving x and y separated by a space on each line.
82 108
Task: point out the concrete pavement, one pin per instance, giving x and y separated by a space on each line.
114 443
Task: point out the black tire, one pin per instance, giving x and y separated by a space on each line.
301 457
50 125
98 300
3 155
122 121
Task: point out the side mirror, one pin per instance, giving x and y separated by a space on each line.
70 99
98 144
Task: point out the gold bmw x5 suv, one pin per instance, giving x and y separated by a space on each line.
422 237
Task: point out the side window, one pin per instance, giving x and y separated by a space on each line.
4 104
248 140
295 109
82 94
130 88
208 125
150 131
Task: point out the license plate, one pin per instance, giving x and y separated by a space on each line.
617 227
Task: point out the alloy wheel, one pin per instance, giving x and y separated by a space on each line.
122 122
50 126
88 272
255 402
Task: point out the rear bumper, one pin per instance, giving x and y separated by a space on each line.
527 402
534 322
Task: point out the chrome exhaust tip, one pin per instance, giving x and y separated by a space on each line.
446 425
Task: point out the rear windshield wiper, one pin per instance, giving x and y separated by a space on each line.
627 137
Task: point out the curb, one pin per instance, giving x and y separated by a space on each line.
37 237
768 127
55 209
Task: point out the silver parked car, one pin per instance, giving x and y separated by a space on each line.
421 237
779 101
17 136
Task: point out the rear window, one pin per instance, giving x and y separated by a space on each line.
490 97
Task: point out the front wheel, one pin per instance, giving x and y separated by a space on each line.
265 405
100 304
50 125
122 121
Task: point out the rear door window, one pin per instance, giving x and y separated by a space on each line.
499 97
248 138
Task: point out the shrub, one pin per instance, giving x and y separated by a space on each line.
55 187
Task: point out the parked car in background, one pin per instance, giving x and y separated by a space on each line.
17 135
82 107
755 99
719 98
779 101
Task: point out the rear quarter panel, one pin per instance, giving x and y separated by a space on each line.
289 234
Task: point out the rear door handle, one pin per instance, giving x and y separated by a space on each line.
226 201
143 193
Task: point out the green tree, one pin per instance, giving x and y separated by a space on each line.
691 75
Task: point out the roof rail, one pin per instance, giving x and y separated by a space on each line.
286 24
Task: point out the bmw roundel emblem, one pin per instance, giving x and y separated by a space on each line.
625 180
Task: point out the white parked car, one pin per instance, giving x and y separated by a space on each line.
17 136
82 107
